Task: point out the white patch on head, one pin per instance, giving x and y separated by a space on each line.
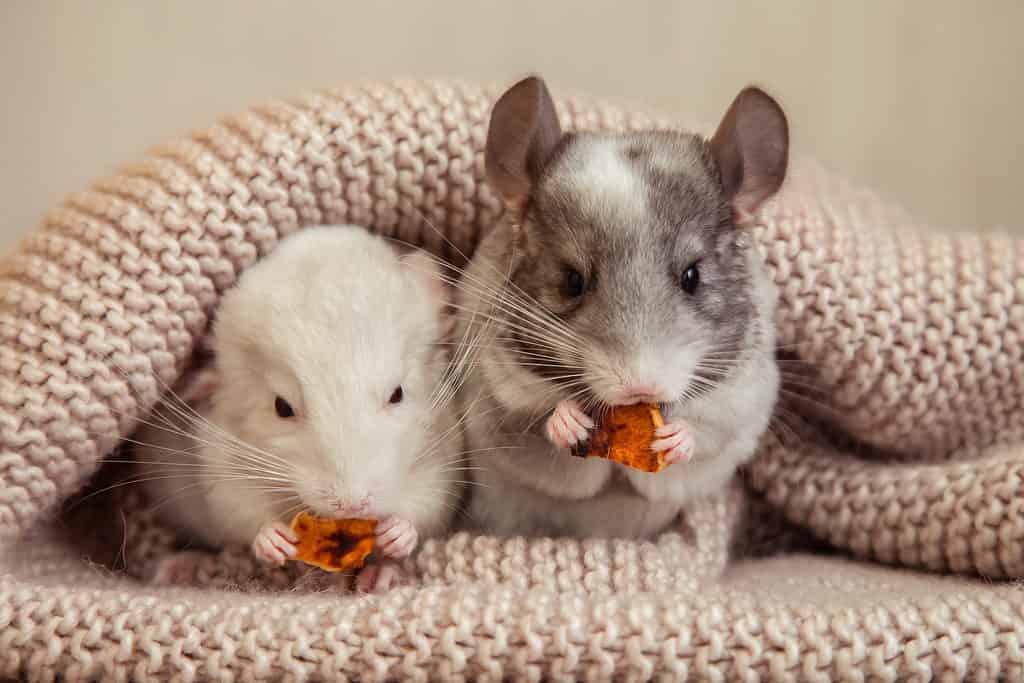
600 178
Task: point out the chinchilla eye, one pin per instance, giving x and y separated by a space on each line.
283 408
572 283
690 280
396 395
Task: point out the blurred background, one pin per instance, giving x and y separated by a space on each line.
921 99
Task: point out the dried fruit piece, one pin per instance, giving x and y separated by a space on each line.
334 545
625 436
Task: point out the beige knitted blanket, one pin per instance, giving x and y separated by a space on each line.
899 444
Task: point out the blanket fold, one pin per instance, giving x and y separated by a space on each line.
899 441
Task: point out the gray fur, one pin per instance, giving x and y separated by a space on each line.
682 218
630 212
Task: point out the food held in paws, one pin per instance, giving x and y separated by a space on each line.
625 436
334 545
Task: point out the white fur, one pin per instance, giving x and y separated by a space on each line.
600 176
663 368
332 321
603 172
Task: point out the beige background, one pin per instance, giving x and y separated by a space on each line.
920 98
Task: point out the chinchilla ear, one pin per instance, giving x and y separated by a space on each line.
523 132
431 274
751 148
199 384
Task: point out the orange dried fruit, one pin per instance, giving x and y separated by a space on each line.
334 545
625 436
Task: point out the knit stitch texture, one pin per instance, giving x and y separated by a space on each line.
899 441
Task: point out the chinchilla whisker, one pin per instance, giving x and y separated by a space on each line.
439 440
292 509
543 336
163 428
582 391
462 457
453 381
189 452
527 311
460 367
132 482
214 439
172 402
225 440
505 345
179 407
240 450
188 487
832 411
551 392
446 470
199 466
420 504
505 300
533 364
174 495
463 279
804 390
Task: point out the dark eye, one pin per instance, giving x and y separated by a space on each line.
396 395
572 283
690 280
283 408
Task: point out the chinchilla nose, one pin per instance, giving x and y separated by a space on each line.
639 393
348 508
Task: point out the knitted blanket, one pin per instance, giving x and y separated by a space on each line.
871 538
